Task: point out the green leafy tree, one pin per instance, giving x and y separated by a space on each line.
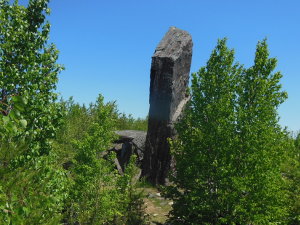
291 171
76 121
230 147
262 142
100 195
28 68
33 193
33 186
125 122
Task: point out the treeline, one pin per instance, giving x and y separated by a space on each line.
77 118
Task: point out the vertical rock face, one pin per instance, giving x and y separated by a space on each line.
170 70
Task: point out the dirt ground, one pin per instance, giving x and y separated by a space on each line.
157 208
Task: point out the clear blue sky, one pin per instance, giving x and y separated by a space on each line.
106 46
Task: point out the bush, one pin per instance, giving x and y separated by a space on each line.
99 195
32 186
230 147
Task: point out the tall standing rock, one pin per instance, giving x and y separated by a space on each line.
170 70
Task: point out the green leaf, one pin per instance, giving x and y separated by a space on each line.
5 119
12 128
20 106
14 114
23 123
18 98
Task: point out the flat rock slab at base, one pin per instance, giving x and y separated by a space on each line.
129 142
169 79
136 136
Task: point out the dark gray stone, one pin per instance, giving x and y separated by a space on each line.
129 142
136 136
170 70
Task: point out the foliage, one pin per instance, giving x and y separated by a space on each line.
230 147
78 118
129 123
28 67
36 188
34 193
33 187
89 171
291 171
54 163
99 194
76 121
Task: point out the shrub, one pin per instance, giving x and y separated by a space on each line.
230 147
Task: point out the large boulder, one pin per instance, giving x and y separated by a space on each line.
170 71
129 142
